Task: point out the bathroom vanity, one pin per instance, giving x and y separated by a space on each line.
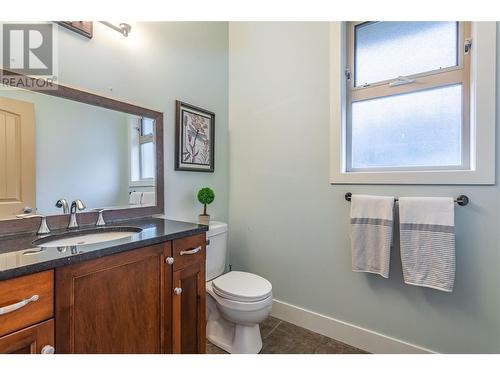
140 294
102 274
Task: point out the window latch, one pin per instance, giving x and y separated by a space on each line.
347 74
401 81
467 45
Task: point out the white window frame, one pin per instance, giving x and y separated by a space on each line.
141 139
479 109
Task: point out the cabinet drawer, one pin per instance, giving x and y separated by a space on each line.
32 340
188 250
26 300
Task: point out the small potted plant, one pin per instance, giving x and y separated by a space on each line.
205 196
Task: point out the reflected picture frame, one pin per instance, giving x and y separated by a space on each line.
194 138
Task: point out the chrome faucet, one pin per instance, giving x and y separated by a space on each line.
64 204
76 204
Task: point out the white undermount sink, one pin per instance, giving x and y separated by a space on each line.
86 238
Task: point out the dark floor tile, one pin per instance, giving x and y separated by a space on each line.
213 349
331 346
267 326
290 340
294 330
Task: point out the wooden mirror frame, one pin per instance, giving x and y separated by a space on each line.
10 226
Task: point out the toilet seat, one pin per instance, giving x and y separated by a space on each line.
237 305
242 287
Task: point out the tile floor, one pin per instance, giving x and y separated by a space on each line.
280 337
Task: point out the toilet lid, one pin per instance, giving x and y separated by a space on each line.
242 286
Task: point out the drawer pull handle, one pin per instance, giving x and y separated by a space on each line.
190 252
177 291
15 306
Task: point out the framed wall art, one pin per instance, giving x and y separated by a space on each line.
194 138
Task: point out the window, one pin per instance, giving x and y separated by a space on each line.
408 95
406 101
142 151
147 149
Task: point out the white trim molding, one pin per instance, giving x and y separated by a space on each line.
482 118
362 338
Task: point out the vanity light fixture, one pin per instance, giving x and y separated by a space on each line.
122 28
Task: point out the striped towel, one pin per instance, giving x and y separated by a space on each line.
427 227
371 233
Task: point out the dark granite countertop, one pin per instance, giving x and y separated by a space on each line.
18 255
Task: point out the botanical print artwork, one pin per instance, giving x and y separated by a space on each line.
196 138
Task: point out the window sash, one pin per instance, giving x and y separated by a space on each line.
459 74
141 162
464 28
143 139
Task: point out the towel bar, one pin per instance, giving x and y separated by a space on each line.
462 200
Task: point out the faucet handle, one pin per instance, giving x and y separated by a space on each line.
100 219
43 228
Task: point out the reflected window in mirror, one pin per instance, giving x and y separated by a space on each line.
147 154
142 152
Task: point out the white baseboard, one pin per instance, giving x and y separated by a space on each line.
348 333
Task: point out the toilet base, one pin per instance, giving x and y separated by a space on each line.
231 337
234 338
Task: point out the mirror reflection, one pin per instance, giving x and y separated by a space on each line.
62 150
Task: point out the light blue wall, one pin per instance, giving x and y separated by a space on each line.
158 63
288 224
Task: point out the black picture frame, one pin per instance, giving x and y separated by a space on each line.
194 144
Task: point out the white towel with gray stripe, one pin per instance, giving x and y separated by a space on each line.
371 233
427 236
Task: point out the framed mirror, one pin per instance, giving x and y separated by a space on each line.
64 144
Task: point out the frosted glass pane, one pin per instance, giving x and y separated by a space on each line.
147 126
417 129
147 160
386 50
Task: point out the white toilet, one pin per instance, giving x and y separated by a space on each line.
237 302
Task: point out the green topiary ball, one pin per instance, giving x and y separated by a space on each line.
206 195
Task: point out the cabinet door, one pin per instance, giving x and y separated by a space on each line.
188 304
31 340
115 304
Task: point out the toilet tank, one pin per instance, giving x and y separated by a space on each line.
216 249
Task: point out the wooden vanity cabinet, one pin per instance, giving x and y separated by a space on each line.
115 304
130 302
